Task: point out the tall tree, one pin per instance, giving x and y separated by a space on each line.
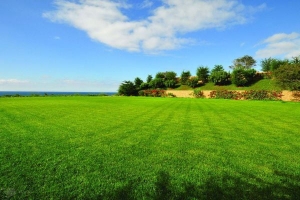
185 75
170 75
127 88
138 82
271 64
202 73
246 62
219 76
149 78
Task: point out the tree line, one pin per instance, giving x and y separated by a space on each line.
286 73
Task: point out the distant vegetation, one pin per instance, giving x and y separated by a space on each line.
283 74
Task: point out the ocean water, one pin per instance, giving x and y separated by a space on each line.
41 93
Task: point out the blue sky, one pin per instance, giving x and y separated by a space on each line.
94 45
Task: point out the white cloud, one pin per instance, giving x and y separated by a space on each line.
104 21
13 81
281 44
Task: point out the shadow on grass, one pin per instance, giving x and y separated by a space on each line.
226 187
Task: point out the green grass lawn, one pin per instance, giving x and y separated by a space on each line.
148 148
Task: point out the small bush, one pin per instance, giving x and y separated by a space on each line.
247 95
153 93
193 82
262 95
198 93
226 94
288 76
243 77
296 95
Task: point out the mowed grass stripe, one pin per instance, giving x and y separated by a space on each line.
84 147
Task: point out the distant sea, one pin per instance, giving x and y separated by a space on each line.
29 93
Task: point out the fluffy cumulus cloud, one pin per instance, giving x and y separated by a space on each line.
281 44
163 29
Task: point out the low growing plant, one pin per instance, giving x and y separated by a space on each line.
262 95
153 93
198 93
226 94
296 95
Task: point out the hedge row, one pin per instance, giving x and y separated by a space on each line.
238 95
247 95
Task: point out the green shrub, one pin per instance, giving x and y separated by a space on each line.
170 83
220 77
296 95
157 83
198 93
288 76
262 95
242 77
225 94
192 82
153 93
127 88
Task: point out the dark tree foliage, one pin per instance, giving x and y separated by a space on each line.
243 77
138 82
295 60
185 75
246 62
202 73
170 75
127 88
170 83
271 64
157 83
217 68
160 75
193 82
288 76
149 78
219 76
144 86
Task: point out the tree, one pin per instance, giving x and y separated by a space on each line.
157 83
138 82
217 68
127 88
219 76
160 75
149 78
203 74
193 82
185 75
242 77
271 64
288 76
295 60
170 75
246 62
170 83
144 86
